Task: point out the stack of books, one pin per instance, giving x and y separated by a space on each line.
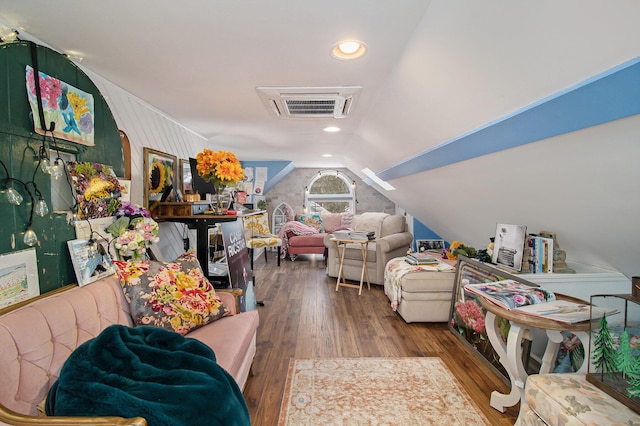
422 258
355 235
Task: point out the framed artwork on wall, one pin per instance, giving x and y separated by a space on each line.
159 176
184 173
18 277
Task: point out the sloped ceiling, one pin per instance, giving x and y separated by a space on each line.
434 70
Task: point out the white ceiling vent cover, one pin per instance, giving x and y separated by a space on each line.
309 102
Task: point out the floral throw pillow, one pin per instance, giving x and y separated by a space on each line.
312 220
172 295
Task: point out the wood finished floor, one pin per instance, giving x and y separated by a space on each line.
305 317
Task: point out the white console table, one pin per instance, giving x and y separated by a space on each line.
587 281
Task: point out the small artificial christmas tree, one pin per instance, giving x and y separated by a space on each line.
625 360
604 354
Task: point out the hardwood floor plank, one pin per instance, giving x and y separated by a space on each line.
304 317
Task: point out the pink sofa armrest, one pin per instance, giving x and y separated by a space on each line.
229 297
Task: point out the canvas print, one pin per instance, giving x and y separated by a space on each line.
18 277
508 246
159 176
71 109
90 261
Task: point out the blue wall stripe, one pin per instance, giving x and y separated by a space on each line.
609 96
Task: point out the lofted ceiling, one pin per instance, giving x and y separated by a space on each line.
201 61
434 70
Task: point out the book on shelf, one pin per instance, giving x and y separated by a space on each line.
535 301
421 258
540 254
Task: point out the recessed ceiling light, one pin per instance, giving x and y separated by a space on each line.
331 129
327 155
349 49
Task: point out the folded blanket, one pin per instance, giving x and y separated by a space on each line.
296 228
149 372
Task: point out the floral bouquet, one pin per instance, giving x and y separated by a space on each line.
457 248
222 168
134 231
97 189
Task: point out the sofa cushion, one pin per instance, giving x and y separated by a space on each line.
313 240
229 338
172 295
336 221
392 224
369 222
312 220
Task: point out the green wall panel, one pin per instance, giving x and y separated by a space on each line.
19 146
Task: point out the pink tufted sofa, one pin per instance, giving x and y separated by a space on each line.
36 338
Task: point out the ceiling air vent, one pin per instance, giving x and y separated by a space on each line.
309 102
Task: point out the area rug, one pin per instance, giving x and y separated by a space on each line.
375 391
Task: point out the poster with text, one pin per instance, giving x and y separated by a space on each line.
240 273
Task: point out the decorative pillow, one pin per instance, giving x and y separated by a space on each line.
312 220
369 222
172 295
331 221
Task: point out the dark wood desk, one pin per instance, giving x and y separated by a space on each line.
201 223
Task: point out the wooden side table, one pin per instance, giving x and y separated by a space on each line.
364 246
510 353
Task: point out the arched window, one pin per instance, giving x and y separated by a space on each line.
330 191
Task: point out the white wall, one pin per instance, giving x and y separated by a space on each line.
147 127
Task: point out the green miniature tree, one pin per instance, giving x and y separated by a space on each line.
604 354
625 360
633 391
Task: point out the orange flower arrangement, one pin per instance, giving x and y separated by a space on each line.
457 248
220 167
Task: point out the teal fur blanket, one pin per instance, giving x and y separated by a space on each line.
149 372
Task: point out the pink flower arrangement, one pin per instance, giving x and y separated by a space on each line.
471 315
134 231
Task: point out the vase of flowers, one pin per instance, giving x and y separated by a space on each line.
134 231
222 168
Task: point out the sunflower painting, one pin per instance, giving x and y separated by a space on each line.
159 176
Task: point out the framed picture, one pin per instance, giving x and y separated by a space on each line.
90 261
508 246
18 277
430 245
125 189
184 173
466 319
159 176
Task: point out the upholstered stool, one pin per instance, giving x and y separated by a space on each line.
568 399
420 293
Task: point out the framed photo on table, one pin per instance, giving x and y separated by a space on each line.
159 176
90 261
430 245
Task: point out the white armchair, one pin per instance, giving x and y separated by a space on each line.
391 240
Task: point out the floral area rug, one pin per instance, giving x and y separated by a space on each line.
375 391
